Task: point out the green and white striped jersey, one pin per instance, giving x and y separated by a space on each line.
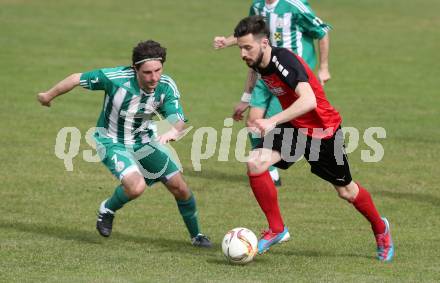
127 113
293 25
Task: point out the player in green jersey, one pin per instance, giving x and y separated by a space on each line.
293 25
126 134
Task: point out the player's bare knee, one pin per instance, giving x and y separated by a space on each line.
135 186
256 166
347 192
352 191
251 165
138 189
342 193
180 192
178 187
184 193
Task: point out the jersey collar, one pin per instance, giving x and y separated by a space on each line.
270 68
143 92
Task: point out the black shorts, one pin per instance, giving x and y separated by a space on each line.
326 157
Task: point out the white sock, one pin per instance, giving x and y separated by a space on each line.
103 209
274 174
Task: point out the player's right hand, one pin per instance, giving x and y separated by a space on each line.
264 126
239 109
44 98
219 42
323 75
172 135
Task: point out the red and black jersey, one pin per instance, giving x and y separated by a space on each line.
282 75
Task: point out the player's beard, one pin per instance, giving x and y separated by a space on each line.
257 61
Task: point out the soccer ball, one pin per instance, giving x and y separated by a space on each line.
239 245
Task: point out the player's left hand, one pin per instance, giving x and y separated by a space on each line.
239 109
323 76
172 135
264 126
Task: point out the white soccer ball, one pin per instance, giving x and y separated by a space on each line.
240 245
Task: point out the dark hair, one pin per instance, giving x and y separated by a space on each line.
148 50
254 25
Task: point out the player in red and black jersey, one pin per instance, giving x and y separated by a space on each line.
308 125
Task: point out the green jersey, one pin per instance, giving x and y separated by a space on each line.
128 111
293 25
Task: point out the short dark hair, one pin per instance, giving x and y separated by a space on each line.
149 49
254 25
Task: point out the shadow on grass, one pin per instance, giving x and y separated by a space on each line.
158 244
92 237
219 176
222 261
422 198
165 245
291 255
58 232
320 254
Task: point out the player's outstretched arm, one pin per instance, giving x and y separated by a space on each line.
221 42
323 70
60 88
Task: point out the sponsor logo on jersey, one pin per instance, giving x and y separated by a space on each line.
277 91
274 86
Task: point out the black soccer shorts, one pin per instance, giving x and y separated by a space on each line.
326 157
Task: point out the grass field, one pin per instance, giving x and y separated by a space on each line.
384 63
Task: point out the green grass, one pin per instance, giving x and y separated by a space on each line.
384 63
